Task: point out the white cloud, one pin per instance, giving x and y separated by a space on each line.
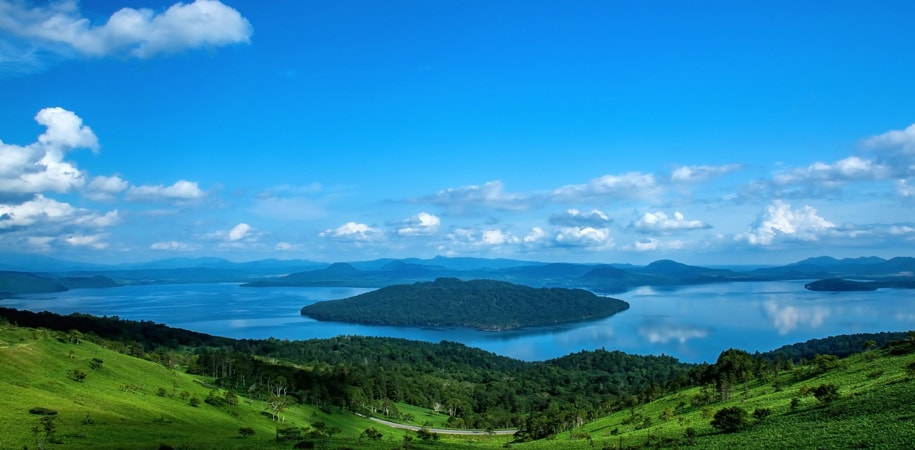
496 236
490 195
894 140
40 166
289 247
631 185
852 168
574 217
103 188
536 235
60 28
590 237
181 191
905 189
352 231
43 212
239 232
174 246
653 244
695 174
92 241
779 221
422 224
658 222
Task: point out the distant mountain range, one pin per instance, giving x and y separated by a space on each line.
49 274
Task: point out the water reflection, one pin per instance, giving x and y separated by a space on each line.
786 318
693 323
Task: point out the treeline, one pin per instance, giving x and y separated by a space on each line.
481 304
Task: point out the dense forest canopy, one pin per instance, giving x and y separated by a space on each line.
481 304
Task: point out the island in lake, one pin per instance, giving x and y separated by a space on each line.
482 304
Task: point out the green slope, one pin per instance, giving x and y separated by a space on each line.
118 406
874 410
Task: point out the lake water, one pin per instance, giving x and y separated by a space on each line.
693 323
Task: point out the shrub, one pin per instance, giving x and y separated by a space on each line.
761 414
826 393
730 419
76 375
246 432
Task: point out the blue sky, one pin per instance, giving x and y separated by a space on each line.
709 133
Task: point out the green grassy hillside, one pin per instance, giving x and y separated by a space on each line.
873 410
125 402
103 399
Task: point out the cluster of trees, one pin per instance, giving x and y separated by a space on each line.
481 304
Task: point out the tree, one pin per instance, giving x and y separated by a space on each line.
826 393
730 419
372 434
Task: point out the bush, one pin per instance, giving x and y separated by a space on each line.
76 375
760 414
730 419
826 393
246 432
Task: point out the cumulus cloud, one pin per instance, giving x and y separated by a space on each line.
103 188
489 195
535 236
894 140
590 237
181 191
352 231
422 224
40 167
239 232
49 214
631 185
573 217
288 247
780 221
60 28
658 222
700 173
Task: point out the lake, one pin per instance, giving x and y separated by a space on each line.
692 323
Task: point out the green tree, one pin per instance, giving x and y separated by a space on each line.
372 434
826 393
730 419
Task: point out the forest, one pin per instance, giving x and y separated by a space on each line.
482 304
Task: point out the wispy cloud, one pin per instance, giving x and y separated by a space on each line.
491 195
701 173
179 192
60 29
631 185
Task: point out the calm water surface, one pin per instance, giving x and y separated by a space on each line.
693 323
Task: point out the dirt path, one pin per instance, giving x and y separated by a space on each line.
441 430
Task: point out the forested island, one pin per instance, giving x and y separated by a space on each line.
482 304
843 285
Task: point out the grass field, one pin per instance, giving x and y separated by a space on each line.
108 400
